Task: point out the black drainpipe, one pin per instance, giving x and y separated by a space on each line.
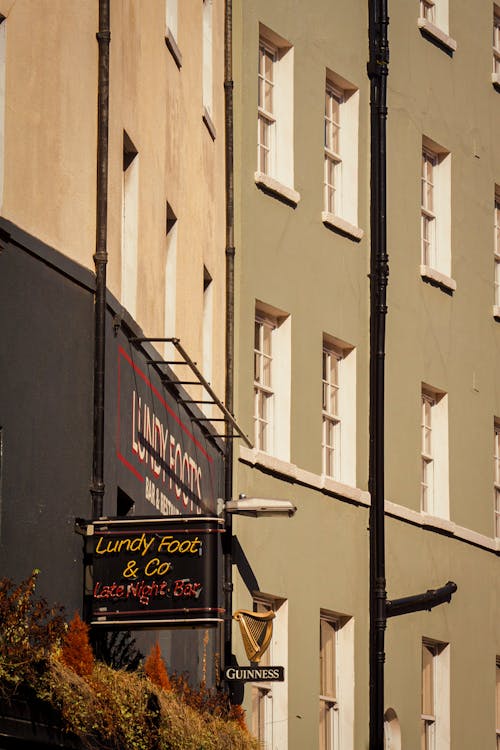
101 259
379 272
230 252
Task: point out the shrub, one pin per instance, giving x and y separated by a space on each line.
29 630
76 650
155 669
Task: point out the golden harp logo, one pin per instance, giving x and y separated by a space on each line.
256 632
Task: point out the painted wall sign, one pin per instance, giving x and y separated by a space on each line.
168 462
255 674
153 572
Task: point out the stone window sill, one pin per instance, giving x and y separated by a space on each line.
436 277
436 34
495 79
341 225
496 312
276 188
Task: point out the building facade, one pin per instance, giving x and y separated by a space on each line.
301 332
302 140
164 237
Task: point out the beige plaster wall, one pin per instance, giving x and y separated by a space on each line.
50 148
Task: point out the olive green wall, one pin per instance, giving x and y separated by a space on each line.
286 257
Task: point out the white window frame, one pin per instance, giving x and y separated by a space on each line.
434 482
272 387
433 22
338 411
336 684
270 699
275 154
266 132
495 76
435 708
263 381
332 181
331 422
428 10
496 252
435 215
496 486
340 161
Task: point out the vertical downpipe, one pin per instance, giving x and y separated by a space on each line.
101 259
379 272
229 384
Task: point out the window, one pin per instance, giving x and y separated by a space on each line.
328 705
266 117
497 709
275 116
495 77
496 462
496 249
270 699
435 213
434 484
171 30
333 162
338 410
271 382
130 199
263 390
435 721
336 694
433 23
340 178
331 420
208 66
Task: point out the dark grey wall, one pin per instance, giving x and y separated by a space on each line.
46 351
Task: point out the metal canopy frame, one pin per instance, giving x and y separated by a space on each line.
200 380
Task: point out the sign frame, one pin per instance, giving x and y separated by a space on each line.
153 572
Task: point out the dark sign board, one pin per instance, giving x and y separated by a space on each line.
153 572
166 463
255 674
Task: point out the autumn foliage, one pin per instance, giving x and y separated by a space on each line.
76 650
155 669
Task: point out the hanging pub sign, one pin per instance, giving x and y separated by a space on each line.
165 462
153 572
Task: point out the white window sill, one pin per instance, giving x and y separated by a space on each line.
336 222
276 188
428 521
209 123
304 477
496 311
429 29
173 48
441 279
361 497
495 79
